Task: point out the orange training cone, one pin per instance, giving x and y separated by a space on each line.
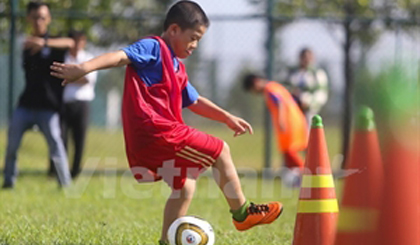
318 208
362 189
399 222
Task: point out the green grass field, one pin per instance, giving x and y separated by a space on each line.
113 209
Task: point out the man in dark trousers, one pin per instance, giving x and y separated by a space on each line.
41 99
76 98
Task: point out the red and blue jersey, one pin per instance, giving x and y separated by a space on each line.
146 59
155 90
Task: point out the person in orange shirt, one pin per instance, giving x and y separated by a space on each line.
289 124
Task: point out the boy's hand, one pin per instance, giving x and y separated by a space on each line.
239 125
68 72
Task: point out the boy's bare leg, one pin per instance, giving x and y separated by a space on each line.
227 178
177 205
244 213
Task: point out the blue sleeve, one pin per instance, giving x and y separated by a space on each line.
143 53
274 98
189 95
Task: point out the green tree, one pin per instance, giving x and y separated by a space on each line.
107 21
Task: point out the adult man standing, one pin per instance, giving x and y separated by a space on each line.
40 101
308 85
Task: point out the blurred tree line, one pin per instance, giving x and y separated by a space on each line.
106 21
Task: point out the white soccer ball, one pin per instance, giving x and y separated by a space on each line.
189 230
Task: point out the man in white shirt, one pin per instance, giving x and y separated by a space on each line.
308 85
76 98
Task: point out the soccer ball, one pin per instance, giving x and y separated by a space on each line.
189 230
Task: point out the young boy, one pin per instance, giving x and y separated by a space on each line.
158 143
289 124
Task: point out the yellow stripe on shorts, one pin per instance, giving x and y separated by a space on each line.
318 206
317 181
190 159
195 156
200 153
357 220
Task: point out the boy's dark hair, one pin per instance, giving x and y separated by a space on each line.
304 51
249 80
76 34
187 15
34 5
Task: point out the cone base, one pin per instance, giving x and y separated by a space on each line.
315 229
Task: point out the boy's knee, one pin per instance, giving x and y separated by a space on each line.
224 157
225 154
225 150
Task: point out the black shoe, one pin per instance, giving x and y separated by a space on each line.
74 174
51 173
7 186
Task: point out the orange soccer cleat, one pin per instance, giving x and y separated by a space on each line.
259 214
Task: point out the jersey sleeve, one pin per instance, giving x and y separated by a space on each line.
143 52
189 95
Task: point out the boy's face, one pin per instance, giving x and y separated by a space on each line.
184 42
39 19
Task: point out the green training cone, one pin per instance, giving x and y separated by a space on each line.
317 122
365 119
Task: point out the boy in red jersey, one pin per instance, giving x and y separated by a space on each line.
159 145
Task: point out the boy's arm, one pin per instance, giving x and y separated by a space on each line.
206 108
81 81
89 78
73 72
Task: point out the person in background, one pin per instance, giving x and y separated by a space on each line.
289 125
41 100
76 98
308 85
